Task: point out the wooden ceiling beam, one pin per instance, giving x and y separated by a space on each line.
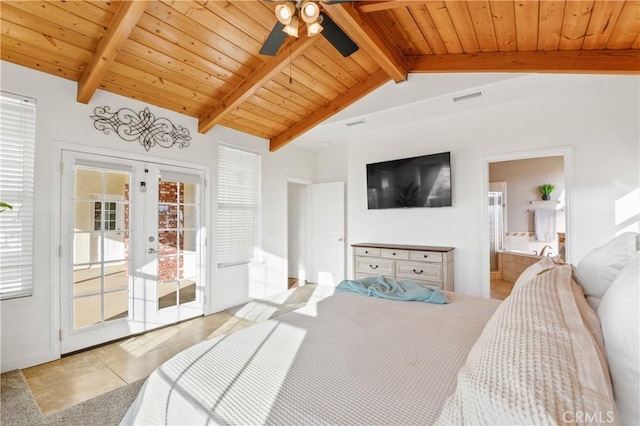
558 61
376 6
345 99
290 50
118 30
367 34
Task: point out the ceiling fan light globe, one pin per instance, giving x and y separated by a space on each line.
284 12
314 29
292 28
309 11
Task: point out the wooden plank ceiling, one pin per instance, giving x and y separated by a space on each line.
201 58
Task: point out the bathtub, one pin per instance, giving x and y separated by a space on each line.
511 263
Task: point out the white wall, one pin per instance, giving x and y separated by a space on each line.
599 117
333 162
29 325
238 284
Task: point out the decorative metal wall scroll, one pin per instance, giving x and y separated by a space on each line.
143 127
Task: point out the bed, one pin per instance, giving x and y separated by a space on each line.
538 357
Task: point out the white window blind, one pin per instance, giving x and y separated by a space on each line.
238 206
17 152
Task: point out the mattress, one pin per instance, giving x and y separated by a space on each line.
349 359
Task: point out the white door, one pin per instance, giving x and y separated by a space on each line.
327 233
112 276
174 245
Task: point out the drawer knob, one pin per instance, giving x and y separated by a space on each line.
373 267
393 254
416 272
425 256
366 252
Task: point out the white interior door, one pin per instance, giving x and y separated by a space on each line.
327 249
127 247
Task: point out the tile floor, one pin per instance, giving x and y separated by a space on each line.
500 289
76 378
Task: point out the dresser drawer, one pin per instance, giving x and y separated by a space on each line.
426 256
419 271
367 251
373 266
428 283
394 254
359 276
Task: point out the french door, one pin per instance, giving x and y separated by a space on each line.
132 247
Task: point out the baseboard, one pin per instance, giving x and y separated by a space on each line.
26 362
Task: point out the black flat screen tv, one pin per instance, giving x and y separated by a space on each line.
423 181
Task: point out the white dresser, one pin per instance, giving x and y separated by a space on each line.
423 264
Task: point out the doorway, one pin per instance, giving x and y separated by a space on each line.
315 233
132 247
516 237
297 233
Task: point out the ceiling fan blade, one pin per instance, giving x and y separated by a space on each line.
274 40
337 37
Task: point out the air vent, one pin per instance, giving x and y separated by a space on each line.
355 123
469 96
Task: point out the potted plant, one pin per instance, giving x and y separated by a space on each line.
546 190
5 206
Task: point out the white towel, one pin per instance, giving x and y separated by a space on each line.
545 224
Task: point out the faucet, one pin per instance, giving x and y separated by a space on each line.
544 249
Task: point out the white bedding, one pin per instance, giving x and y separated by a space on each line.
349 360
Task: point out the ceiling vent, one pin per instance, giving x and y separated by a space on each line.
356 123
468 96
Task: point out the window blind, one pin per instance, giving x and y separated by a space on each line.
17 155
239 209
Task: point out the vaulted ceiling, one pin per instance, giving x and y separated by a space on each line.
201 58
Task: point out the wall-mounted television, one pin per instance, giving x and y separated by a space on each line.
423 181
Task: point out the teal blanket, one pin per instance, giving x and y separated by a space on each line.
386 288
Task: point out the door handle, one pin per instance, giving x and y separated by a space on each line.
151 251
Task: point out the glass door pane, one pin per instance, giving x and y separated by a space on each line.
177 246
100 246
496 228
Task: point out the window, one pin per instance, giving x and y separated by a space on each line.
238 206
109 216
17 152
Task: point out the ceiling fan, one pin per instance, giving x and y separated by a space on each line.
289 15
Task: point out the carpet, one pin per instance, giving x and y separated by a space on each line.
18 406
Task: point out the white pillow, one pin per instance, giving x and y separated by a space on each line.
597 270
594 302
620 320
